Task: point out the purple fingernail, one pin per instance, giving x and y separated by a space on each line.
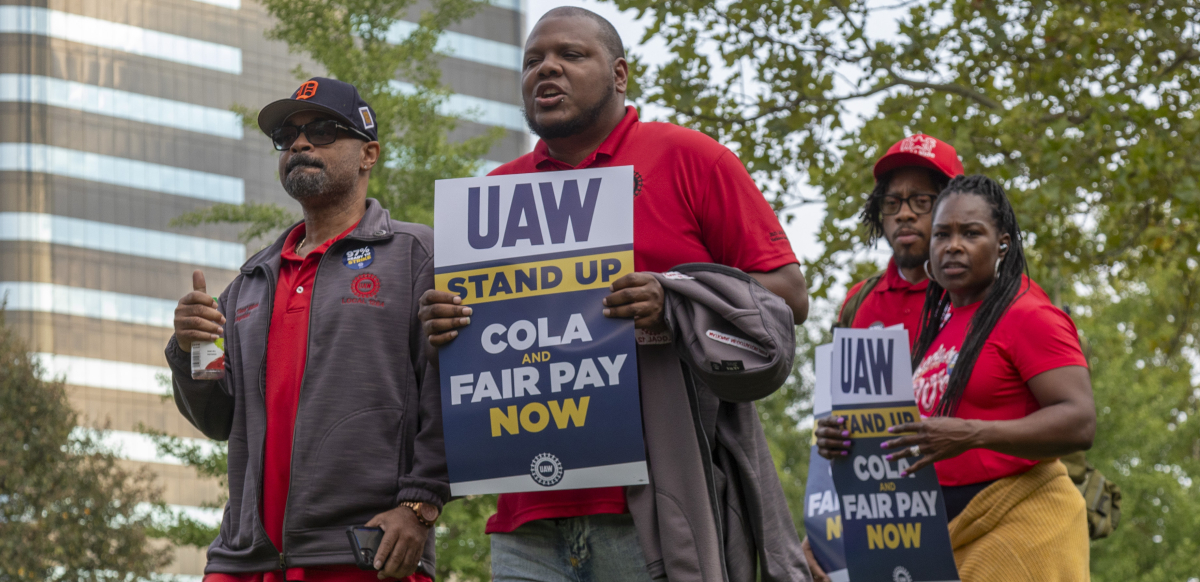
845 433
903 473
888 457
846 443
883 445
844 453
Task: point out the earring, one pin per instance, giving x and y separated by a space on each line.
927 270
998 261
1004 246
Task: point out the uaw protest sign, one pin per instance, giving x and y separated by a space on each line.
893 526
540 391
822 510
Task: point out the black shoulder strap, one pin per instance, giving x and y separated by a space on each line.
850 309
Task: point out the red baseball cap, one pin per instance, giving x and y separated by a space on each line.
920 150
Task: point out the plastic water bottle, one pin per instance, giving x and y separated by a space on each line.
208 359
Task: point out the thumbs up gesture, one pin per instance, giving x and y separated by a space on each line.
196 316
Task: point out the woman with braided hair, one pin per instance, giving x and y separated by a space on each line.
1004 390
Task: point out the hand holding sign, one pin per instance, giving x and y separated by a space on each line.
638 296
441 315
833 440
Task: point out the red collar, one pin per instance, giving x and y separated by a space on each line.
541 153
893 280
293 238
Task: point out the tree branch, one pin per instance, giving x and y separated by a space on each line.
949 88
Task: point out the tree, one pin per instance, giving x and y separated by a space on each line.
1085 111
68 510
353 41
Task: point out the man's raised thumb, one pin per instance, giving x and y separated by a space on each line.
198 281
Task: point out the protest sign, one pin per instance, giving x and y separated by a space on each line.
893 526
540 391
822 511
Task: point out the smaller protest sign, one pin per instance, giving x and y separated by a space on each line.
822 510
893 525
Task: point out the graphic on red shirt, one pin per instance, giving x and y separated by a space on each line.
933 376
694 203
1032 337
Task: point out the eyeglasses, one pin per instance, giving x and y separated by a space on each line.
320 132
919 203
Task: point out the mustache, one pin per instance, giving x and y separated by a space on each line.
303 160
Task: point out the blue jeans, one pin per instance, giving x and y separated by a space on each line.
592 548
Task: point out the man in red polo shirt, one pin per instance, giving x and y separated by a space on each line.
907 180
329 405
694 202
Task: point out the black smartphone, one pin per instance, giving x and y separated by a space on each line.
364 541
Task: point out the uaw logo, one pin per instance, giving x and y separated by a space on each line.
365 287
922 145
306 91
900 574
546 470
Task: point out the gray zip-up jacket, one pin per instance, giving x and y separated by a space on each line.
368 429
714 510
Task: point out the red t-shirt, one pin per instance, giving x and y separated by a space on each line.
892 301
1032 337
693 202
287 352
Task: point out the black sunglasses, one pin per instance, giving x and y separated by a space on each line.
321 132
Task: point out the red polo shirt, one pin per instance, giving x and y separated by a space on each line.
693 202
892 301
287 352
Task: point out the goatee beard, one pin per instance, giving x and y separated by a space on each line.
570 127
303 186
907 261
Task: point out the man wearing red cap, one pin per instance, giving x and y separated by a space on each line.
907 180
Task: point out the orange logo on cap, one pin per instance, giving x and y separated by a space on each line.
308 89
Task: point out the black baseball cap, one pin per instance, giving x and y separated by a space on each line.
337 98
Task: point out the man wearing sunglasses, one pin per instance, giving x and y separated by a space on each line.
907 180
330 407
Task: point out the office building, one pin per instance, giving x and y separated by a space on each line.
115 118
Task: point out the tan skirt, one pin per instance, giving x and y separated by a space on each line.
1031 526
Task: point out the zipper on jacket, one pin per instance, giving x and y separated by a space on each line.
262 384
312 298
706 456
